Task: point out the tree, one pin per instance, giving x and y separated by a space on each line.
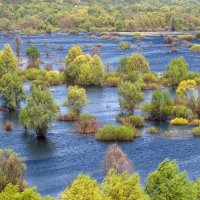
76 99
129 96
13 192
73 53
39 112
136 62
177 70
168 182
11 91
18 45
8 61
123 186
83 188
116 159
161 105
11 169
33 54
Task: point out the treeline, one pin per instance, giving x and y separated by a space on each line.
120 182
46 16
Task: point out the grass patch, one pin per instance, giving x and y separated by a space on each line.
115 133
124 45
132 120
153 130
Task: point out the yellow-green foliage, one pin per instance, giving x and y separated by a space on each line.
123 187
196 131
187 37
185 85
76 99
54 78
8 61
136 62
83 188
73 53
195 122
11 192
132 120
150 77
195 48
33 74
153 130
179 121
112 80
83 69
114 133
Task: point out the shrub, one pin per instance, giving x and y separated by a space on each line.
54 78
116 159
187 37
11 169
33 74
133 76
196 131
150 77
153 130
33 54
112 81
115 133
195 122
168 133
179 121
68 117
86 124
73 32
137 36
76 99
132 120
124 45
8 125
198 35
195 48
181 112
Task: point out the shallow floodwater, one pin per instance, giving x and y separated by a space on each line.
54 162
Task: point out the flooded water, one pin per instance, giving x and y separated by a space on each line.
52 163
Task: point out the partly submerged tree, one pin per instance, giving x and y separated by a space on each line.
11 169
76 100
11 91
130 96
33 54
39 112
74 51
18 45
116 159
168 182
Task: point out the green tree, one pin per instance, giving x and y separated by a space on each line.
130 96
123 187
168 182
161 105
8 61
73 53
39 112
11 169
83 188
76 99
136 62
33 53
11 91
13 192
177 70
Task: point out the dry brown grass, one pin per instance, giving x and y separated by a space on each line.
68 117
8 125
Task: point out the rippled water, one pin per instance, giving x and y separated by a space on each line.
54 162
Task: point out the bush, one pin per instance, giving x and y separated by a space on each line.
54 78
198 35
33 74
196 131
153 130
73 32
124 45
132 120
11 169
195 122
150 77
8 125
68 117
179 121
187 37
86 124
112 80
115 133
168 133
133 76
181 112
116 159
195 48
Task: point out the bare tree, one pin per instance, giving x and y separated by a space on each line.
18 45
116 159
